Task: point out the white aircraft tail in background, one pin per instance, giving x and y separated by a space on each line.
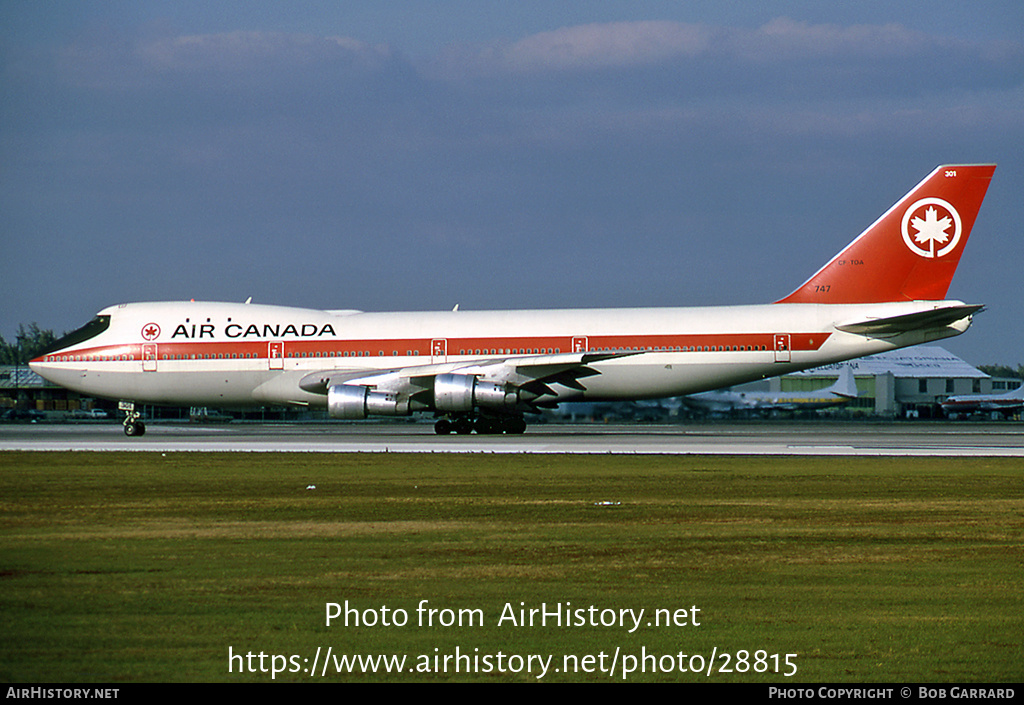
482 370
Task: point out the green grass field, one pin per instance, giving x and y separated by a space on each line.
149 567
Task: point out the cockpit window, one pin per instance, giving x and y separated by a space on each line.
89 330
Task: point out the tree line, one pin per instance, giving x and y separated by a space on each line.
29 342
1003 371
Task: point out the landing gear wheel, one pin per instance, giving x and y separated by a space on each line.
484 425
132 426
515 425
136 428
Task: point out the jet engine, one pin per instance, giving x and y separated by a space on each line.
349 401
454 393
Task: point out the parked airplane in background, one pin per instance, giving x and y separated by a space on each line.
719 402
1006 404
482 370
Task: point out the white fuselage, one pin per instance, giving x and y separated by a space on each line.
238 355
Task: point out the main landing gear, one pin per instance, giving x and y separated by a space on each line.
464 424
132 426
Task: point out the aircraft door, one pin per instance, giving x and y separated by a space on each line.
782 347
149 357
579 344
439 350
275 354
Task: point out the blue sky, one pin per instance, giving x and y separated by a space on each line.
415 155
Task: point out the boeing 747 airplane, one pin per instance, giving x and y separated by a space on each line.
482 370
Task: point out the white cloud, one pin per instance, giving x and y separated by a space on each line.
777 45
783 38
105 61
608 45
246 51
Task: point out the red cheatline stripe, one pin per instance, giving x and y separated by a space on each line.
260 349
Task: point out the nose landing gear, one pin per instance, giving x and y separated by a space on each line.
132 425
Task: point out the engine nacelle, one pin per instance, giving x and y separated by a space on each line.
349 401
464 392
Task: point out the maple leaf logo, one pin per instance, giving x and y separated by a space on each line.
932 229
937 228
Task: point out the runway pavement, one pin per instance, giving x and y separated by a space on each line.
757 438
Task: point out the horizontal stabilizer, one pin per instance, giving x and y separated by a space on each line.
922 320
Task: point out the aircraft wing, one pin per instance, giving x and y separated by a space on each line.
922 320
533 374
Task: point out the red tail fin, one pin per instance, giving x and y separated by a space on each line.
912 251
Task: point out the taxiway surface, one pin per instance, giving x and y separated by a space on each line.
768 438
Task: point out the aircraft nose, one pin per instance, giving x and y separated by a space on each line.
45 369
38 365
